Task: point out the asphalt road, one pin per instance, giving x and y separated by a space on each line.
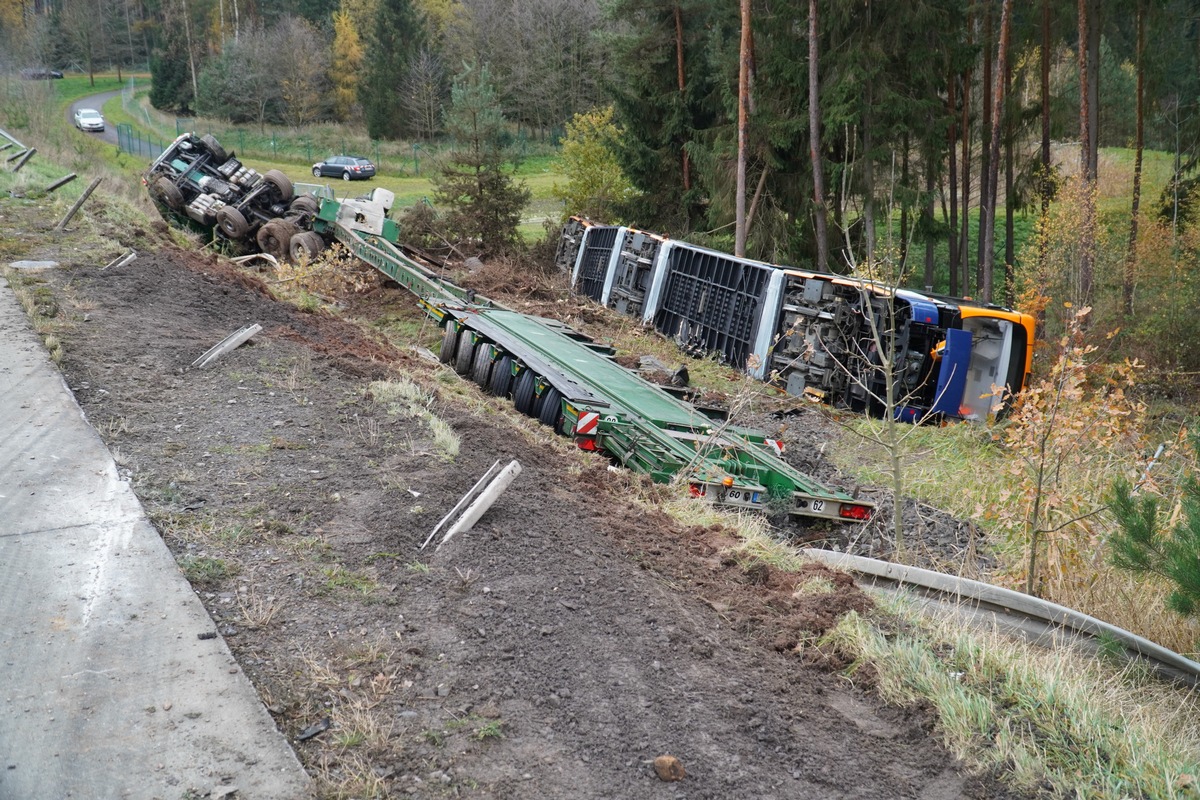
96 101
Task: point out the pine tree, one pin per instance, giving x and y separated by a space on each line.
398 35
485 201
1142 545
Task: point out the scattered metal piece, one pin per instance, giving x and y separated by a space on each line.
82 199
230 342
121 261
466 498
270 259
314 730
63 181
484 501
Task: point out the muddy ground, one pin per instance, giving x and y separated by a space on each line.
554 651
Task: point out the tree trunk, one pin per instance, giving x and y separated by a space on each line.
1087 228
1010 201
965 237
993 159
187 29
930 185
1047 185
904 205
1131 256
986 196
739 235
952 180
687 169
820 217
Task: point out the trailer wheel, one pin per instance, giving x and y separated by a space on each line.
466 351
501 382
449 341
232 223
275 238
281 182
481 367
305 246
168 193
214 147
550 412
525 392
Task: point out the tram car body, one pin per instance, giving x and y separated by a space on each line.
810 333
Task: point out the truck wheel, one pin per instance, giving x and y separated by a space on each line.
305 246
449 342
168 193
281 182
501 381
466 351
232 223
525 393
214 147
306 203
551 409
275 238
481 367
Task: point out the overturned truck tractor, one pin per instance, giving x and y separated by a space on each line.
551 372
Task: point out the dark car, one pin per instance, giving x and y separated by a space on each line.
348 168
40 74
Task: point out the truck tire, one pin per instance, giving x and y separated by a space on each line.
281 182
168 193
218 153
306 203
232 223
501 382
525 392
305 246
449 342
275 238
481 366
550 412
466 351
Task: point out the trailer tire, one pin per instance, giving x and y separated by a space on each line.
525 393
232 223
449 342
168 193
550 412
501 382
481 366
305 246
466 351
275 238
218 153
281 182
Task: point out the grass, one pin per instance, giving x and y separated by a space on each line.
401 396
1044 720
205 570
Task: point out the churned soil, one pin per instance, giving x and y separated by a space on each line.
559 648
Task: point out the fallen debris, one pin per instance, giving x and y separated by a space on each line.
485 500
466 498
63 181
28 154
230 342
121 261
75 208
314 730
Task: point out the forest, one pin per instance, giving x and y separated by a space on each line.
924 140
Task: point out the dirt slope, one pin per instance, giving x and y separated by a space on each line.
552 652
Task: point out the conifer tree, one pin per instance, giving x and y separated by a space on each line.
397 37
1143 545
345 71
485 201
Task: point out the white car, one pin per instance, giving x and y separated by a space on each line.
89 119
